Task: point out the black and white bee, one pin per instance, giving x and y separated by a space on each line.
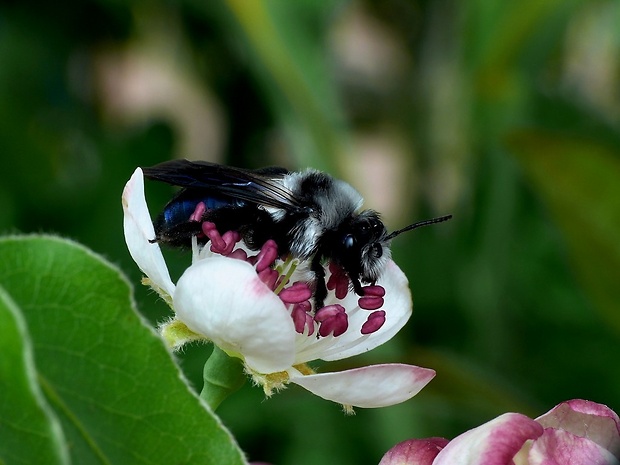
309 214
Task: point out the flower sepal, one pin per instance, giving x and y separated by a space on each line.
176 334
223 375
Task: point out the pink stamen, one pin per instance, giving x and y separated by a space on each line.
374 322
267 255
302 318
230 239
333 320
370 303
199 211
296 293
222 245
338 281
372 298
305 305
374 291
269 277
210 230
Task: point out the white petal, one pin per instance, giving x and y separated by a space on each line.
557 446
587 419
138 229
224 300
495 442
368 387
398 309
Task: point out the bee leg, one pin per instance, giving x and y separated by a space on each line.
179 235
357 286
320 291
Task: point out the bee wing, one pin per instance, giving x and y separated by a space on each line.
262 187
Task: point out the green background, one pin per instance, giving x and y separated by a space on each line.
504 114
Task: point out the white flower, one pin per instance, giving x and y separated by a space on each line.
255 313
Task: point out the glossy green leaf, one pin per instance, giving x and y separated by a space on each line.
118 394
580 181
29 431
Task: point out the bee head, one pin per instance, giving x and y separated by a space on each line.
363 249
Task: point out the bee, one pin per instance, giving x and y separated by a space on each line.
309 214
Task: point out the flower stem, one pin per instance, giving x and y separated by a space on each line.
222 376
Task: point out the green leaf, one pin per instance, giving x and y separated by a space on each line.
580 181
118 394
29 431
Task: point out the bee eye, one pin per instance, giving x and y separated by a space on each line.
349 241
376 250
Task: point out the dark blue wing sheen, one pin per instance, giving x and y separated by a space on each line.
183 205
262 187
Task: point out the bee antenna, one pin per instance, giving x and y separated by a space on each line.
417 225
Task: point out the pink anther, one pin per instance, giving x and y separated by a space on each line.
269 277
295 293
374 322
338 281
372 298
199 211
333 320
370 303
302 318
220 244
267 255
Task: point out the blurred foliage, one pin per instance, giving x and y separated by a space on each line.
506 115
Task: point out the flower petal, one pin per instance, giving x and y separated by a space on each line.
414 452
586 419
398 309
368 387
557 446
139 230
495 442
224 300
